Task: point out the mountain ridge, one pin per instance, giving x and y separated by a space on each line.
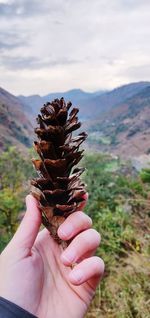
107 101
99 102
77 96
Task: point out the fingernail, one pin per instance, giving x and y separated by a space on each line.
66 231
28 201
76 275
68 257
85 196
90 220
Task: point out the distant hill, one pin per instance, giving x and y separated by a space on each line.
15 127
91 104
125 129
105 102
76 96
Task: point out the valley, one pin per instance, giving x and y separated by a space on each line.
117 121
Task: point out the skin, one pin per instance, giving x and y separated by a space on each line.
37 274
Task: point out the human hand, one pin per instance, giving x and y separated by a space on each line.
36 273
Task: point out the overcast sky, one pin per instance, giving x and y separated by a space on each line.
56 45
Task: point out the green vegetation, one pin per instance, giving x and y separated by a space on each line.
15 172
120 208
98 138
145 175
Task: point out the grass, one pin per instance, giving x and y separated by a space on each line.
125 289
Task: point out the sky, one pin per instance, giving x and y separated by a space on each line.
57 45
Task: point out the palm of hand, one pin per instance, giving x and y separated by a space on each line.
56 295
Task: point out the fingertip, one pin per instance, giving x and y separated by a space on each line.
102 266
74 224
89 269
86 196
64 235
89 220
83 203
99 265
30 199
32 208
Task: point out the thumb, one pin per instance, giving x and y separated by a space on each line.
29 227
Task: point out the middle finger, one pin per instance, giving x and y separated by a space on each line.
82 244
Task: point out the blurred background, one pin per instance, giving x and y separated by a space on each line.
96 54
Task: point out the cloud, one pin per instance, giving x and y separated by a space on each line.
9 45
32 63
10 40
62 44
22 8
132 4
141 71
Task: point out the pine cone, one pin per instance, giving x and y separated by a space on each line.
58 187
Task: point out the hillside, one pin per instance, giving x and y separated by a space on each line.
125 130
15 127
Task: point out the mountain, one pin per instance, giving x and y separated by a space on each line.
15 127
91 104
31 103
76 96
125 129
105 102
